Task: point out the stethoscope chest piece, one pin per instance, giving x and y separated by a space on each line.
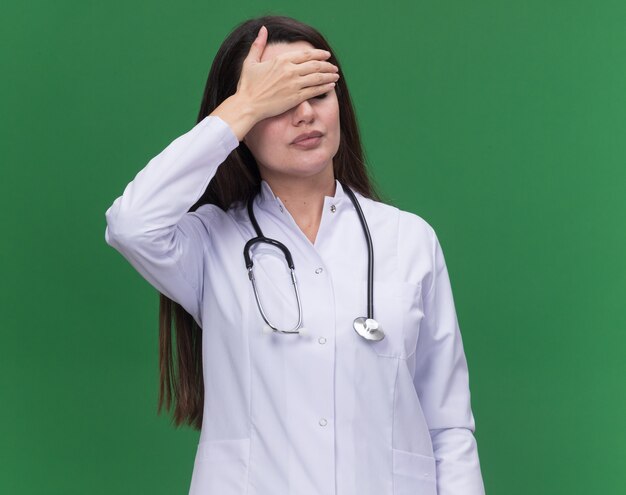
368 328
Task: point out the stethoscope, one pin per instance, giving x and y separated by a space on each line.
366 327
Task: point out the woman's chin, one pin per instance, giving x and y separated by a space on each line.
308 165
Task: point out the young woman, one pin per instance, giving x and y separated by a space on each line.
317 343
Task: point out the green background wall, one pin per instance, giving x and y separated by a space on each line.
503 124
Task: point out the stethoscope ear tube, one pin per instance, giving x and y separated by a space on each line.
258 302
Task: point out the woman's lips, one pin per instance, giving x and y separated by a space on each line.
308 143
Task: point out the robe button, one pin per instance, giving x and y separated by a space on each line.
280 207
323 422
333 208
319 270
322 340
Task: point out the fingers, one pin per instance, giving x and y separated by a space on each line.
299 56
315 66
313 91
318 78
258 45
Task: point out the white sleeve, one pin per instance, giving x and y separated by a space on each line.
150 224
442 384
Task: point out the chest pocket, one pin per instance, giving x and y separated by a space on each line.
398 310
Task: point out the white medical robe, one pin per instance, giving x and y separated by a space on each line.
325 413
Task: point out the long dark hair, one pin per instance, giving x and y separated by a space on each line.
237 179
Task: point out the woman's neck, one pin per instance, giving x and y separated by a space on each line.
304 199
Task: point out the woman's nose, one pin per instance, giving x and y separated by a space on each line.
303 112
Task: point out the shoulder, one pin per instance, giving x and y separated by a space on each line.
414 228
411 227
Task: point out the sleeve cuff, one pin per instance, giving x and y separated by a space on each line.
228 138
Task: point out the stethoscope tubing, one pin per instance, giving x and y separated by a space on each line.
370 253
261 238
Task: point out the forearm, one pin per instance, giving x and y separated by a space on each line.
458 465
